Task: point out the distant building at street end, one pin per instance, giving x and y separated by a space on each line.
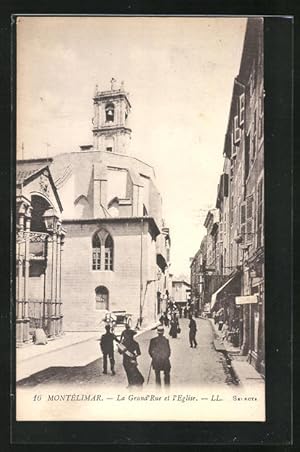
181 291
117 247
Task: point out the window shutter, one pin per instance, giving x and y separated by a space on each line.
225 185
243 233
249 219
261 113
233 148
242 108
220 232
243 222
249 207
237 131
259 213
243 214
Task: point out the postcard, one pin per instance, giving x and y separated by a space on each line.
140 218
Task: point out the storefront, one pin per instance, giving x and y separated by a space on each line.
254 311
224 309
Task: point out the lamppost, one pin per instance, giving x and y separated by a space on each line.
51 221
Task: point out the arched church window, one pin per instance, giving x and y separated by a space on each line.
109 248
103 250
102 298
110 112
96 252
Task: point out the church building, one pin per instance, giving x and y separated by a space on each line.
116 251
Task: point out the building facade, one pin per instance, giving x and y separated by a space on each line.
180 291
239 253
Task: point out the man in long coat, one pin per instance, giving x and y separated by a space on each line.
192 333
107 347
159 350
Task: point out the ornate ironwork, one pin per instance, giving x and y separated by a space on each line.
33 236
38 236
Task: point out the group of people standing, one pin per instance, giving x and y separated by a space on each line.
159 351
130 350
171 318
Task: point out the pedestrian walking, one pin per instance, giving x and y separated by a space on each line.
107 348
125 333
160 352
221 318
180 311
185 312
175 329
130 354
192 333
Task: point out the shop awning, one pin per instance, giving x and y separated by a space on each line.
214 296
246 299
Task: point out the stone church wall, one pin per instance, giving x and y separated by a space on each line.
79 281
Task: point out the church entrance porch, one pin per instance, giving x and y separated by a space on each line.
39 245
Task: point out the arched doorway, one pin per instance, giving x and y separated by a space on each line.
39 206
38 252
102 298
39 242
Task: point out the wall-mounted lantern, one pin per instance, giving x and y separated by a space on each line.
50 219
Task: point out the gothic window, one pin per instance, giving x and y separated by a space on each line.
108 265
110 112
96 253
101 298
102 257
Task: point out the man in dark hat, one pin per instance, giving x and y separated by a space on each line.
107 347
159 350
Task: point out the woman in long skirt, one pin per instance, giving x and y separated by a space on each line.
174 326
134 376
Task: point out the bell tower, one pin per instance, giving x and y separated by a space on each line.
110 122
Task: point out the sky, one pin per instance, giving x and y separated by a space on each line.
179 74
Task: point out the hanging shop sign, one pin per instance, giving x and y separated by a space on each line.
246 299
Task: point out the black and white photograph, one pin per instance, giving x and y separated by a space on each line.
140 270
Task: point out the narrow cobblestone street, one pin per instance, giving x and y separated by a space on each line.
199 366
